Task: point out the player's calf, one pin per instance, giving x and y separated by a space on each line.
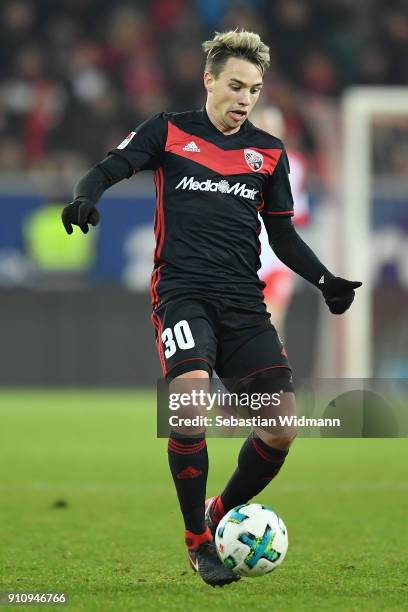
188 461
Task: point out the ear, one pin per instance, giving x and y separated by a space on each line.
208 81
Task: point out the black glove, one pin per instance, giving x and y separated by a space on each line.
81 212
338 293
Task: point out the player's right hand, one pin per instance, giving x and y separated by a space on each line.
339 293
81 212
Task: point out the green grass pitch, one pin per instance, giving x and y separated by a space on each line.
117 542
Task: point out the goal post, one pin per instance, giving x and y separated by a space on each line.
360 105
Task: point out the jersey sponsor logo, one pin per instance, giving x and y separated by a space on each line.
191 146
253 159
223 186
125 142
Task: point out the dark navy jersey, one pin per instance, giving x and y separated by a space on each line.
210 189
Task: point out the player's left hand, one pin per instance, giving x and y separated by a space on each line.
81 212
339 293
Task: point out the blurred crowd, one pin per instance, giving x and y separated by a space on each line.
77 75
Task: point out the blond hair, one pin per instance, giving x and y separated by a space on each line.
235 43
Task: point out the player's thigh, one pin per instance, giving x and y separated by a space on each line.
249 345
256 363
185 337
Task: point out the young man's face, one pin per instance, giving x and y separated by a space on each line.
232 95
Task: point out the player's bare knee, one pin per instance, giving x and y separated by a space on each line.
281 440
188 392
288 433
281 431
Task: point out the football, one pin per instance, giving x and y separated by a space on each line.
252 539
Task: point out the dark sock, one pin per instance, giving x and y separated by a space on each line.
188 460
258 463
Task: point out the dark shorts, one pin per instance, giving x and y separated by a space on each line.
237 342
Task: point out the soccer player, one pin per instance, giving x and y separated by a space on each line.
215 173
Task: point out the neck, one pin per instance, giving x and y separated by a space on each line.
225 129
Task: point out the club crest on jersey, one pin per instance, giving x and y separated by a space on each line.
125 142
253 159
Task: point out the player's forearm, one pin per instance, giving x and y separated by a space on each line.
82 211
294 252
102 176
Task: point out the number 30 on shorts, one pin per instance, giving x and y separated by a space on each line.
178 337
